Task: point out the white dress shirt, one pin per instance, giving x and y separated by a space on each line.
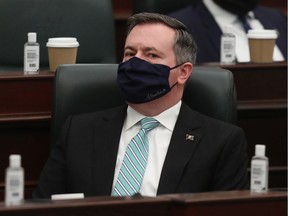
225 18
159 139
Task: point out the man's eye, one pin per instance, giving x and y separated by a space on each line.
129 54
152 55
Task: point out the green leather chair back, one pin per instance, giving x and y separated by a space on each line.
84 88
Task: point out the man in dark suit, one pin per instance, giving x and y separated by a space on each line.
206 21
188 152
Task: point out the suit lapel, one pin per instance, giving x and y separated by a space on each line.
183 143
213 31
265 20
106 141
270 23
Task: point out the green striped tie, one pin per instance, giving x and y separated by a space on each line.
134 163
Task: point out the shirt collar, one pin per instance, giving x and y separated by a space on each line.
167 118
251 15
222 17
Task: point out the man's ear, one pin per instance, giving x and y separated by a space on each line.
185 72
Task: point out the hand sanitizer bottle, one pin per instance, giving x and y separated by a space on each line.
14 181
31 55
259 170
228 41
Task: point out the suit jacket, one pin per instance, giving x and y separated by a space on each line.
84 159
207 34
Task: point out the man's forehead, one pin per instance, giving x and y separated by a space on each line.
152 32
155 26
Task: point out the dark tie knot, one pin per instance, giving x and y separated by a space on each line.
148 123
245 23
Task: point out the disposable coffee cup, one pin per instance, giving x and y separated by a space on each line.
261 45
62 50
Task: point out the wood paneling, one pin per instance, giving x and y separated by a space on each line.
25 114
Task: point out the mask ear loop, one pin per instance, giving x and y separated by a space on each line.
176 66
172 69
173 85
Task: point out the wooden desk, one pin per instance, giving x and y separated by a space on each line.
101 206
27 97
25 114
199 204
262 111
259 86
236 203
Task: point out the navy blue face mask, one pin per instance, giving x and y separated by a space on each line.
140 81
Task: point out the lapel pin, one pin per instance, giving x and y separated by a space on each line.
189 137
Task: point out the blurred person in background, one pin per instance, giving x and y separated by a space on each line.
207 19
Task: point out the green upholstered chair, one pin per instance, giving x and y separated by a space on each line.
84 88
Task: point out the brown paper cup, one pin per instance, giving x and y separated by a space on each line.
261 50
261 45
61 51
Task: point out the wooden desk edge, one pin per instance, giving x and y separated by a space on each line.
206 197
226 196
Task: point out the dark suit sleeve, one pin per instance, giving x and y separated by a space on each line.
52 178
231 169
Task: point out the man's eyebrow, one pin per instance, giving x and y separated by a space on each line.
129 47
144 49
150 49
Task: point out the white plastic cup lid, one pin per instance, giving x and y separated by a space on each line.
62 42
262 34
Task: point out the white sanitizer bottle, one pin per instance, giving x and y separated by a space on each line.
31 55
14 181
259 170
228 46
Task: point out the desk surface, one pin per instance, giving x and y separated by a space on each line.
220 203
91 206
234 203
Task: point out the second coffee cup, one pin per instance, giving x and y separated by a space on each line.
62 50
261 45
